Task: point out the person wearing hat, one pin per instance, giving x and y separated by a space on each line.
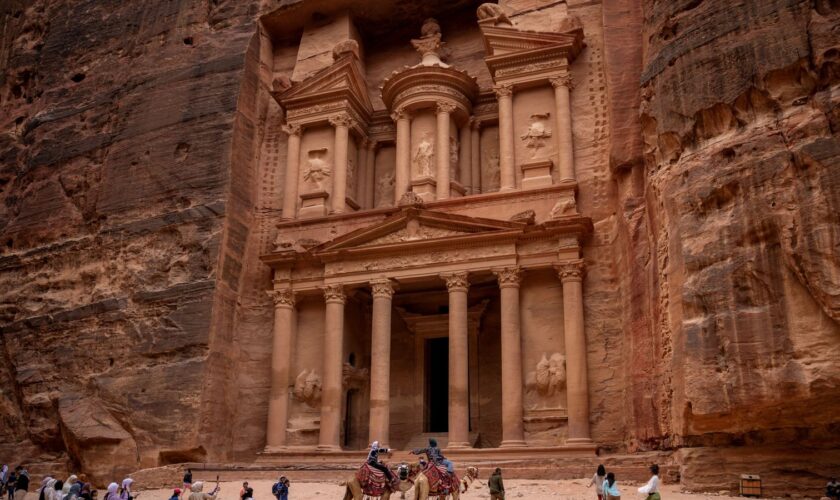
176 494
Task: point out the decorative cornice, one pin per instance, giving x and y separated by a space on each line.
503 90
341 119
334 293
445 107
457 281
508 277
282 298
565 81
570 271
382 288
292 128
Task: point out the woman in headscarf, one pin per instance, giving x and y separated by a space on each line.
74 492
87 492
4 477
125 489
111 494
42 491
56 494
197 494
73 479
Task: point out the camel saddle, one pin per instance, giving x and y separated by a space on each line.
441 482
372 480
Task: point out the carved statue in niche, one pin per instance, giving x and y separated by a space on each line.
351 177
352 377
385 189
536 134
494 174
317 170
308 388
454 147
424 157
547 381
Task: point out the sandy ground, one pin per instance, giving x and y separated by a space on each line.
516 488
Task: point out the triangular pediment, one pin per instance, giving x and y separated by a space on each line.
344 79
501 40
413 225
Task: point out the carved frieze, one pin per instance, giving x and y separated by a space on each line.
565 206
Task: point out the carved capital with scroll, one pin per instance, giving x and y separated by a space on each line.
445 107
562 81
503 90
457 281
341 120
570 271
334 293
292 129
400 114
508 276
282 298
382 288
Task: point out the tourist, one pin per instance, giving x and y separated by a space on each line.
373 460
187 481
111 493
832 489
22 483
598 481
176 494
10 485
75 491
280 490
243 490
611 488
125 489
249 494
651 489
497 487
45 483
4 477
86 492
65 490
434 455
56 494
197 494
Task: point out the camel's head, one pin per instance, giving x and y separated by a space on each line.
402 471
472 472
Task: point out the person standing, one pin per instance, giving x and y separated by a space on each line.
832 489
110 494
4 477
10 485
187 481
611 491
496 485
598 481
197 494
22 483
280 490
243 490
651 489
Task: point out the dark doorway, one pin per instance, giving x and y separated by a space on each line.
349 428
437 385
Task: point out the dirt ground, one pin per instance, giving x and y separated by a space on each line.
516 488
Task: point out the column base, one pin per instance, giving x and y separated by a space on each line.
513 443
579 441
458 445
328 447
506 189
275 449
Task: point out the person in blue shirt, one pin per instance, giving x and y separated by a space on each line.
281 488
611 488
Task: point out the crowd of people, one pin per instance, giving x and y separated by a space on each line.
606 486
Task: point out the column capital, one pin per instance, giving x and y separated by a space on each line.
503 90
475 123
570 271
562 81
341 119
508 276
284 297
457 281
400 114
382 288
334 293
370 144
292 128
445 107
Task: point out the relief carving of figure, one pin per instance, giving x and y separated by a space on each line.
308 388
317 169
351 177
424 157
454 147
385 189
536 134
352 377
494 174
549 377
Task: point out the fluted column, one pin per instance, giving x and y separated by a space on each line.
577 386
475 155
290 191
563 111
504 94
402 174
513 431
341 122
444 109
380 362
370 174
330 432
282 335
464 154
459 401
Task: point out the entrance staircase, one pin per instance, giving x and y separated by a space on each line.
422 440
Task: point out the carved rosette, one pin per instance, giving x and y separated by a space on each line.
445 107
508 277
570 271
503 90
341 120
562 81
457 282
292 129
334 293
283 297
382 288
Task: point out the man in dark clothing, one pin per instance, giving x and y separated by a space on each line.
373 460
22 483
832 489
10 485
497 487
435 455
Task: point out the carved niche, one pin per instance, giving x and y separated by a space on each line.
385 189
424 157
307 388
317 169
546 384
537 133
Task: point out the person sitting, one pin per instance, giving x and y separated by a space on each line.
435 455
373 460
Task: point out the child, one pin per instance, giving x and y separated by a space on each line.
598 481
651 489
611 488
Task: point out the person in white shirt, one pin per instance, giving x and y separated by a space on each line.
651 489
598 481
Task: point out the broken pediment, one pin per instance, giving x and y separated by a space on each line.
509 48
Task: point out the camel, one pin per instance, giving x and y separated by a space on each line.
421 486
354 491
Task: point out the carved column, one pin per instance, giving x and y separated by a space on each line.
290 192
380 362
464 154
330 432
513 431
370 174
282 335
563 111
577 386
459 411
402 177
444 110
341 122
504 94
475 156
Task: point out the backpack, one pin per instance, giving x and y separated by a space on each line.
275 490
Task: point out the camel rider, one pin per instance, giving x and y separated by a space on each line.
435 455
373 460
